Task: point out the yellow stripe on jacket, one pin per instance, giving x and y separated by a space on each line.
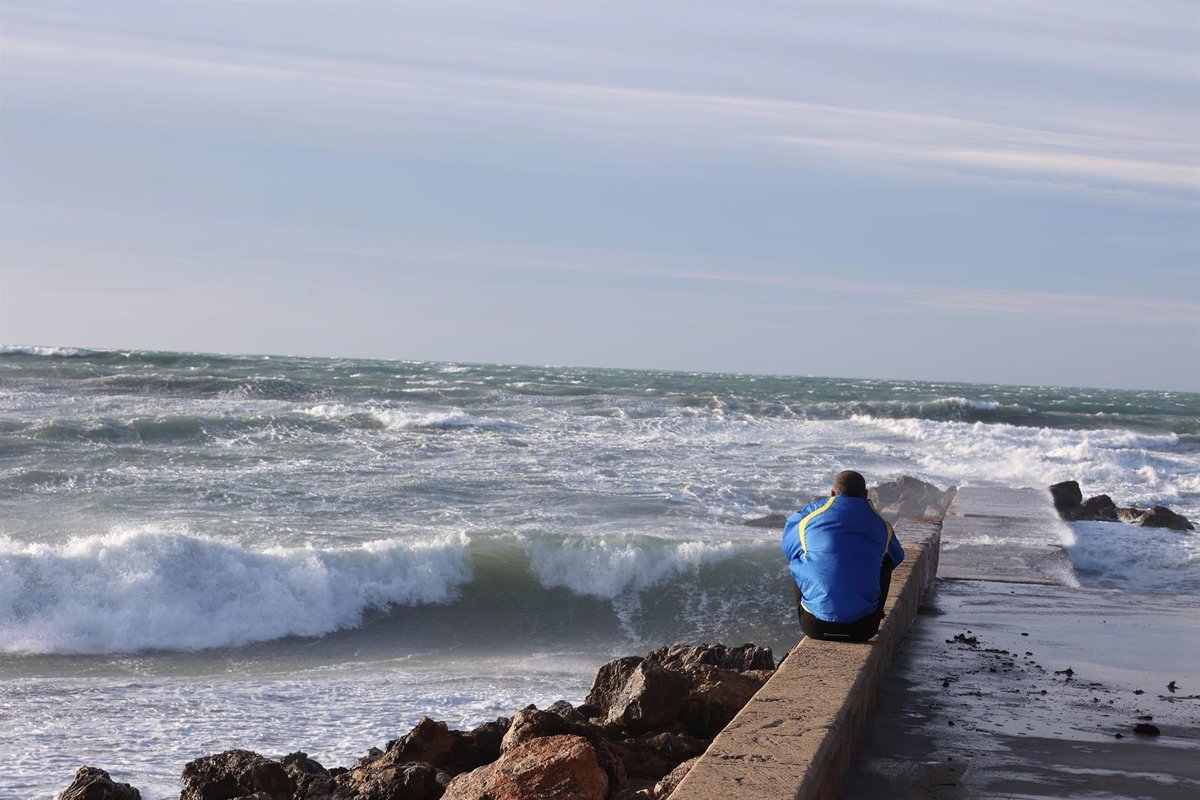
890 531
804 523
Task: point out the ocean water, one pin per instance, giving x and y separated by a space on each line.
200 552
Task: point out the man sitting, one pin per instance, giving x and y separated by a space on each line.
842 554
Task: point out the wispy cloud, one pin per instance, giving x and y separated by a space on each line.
1094 151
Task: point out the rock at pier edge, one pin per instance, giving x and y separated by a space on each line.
646 720
1070 505
906 498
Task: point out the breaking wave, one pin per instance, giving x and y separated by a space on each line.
373 416
151 589
34 350
147 589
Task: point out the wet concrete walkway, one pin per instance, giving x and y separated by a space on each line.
1013 683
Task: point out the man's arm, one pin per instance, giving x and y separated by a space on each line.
791 538
791 532
895 552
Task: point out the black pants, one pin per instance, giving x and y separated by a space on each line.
857 631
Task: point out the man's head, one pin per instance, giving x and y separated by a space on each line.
850 483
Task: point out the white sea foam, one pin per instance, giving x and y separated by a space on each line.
35 350
607 568
1133 467
1118 556
959 402
144 588
402 419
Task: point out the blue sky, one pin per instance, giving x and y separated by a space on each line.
991 192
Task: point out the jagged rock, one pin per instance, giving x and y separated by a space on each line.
668 784
1100 507
652 697
717 695
1067 497
381 780
1163 517
429 741
567 711
910 498
589 711
1130 514
674 747
610 679
544 768
640 762
703 685
487 738
93 783
533 723
1068 502
235 773
530 723
432 742
683 657
769 521
652 756
304 771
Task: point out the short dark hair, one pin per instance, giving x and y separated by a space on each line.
850 483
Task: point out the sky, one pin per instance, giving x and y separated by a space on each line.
986 192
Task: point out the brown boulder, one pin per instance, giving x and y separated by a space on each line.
609 681
1100 507
1067 497
1130 514
545 768
683 657
304 771
381 780
1163 517
668 784
673 747
533 723
433 742
233 774
651 698
652 756
530 723
93 783
639 762
717 695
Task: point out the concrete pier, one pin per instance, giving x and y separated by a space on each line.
1013 683
1005 680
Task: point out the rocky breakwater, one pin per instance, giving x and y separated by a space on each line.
1070 505
644 723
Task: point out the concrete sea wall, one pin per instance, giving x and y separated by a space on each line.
798 735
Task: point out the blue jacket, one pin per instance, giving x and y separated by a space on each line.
836 547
